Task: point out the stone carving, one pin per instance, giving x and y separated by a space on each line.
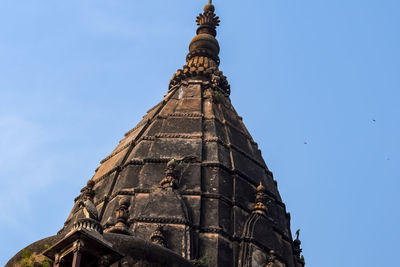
202 60
208 20
297 249
259 206
121 217
165 206
89 209
217 81
272 260
87 191
174 171
77 246
104 261
256 225
258 258
157 237
91 220
296 245
171 177
212 216
88 224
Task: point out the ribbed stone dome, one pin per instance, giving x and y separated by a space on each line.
190 177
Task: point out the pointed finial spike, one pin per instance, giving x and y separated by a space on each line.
209 8
259 205
260 188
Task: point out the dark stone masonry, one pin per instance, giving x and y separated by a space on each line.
186 187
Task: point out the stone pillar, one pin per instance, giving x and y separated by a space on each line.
76 262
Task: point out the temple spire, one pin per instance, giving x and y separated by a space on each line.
202 61
208 20
204 43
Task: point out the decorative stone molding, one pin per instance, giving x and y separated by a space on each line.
218 80
189 115
184 136
88 224
159 220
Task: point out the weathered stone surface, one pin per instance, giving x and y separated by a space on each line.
38 247
180 188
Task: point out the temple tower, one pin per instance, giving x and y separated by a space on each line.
186 187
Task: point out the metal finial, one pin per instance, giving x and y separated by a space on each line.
210 2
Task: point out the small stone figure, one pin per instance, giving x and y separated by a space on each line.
91 220
170 180
121 216
272 260
104 261
259 206
157 237
173 172
122 213
297 249
296 245
89 209
87 191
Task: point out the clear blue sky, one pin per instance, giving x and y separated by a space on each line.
76 75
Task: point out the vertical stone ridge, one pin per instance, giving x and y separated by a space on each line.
127 155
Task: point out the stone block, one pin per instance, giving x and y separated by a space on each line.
128 178
218 181
182 125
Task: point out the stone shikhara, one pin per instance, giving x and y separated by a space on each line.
186 187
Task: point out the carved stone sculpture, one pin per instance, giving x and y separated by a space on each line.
121 225
157 237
